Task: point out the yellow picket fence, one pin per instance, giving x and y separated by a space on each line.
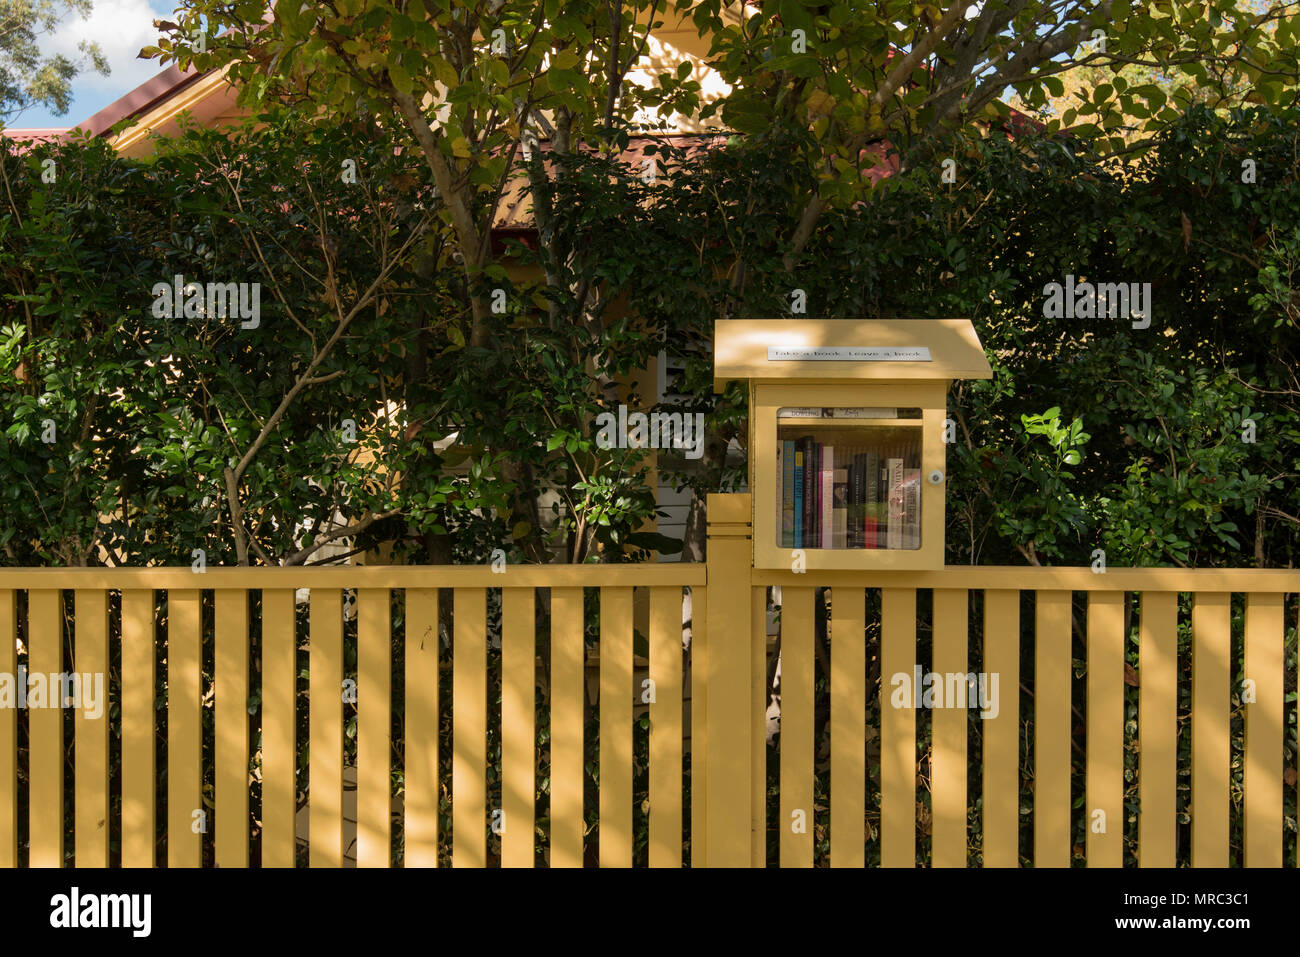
1151 593
708 712
145 592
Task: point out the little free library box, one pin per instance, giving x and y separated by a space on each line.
846 422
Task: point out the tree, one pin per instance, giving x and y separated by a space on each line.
476 84
479 84
28 79
911 75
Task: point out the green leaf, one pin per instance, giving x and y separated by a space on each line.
403 28
400 79
444 72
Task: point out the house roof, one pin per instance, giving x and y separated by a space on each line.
208 97
35 135
144 97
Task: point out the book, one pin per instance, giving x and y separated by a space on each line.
895 501
797 491
780 480
871 499
864 413
911 508
854 535
839 508
809 499
815 492
826 502
785 502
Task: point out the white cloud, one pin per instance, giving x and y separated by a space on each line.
121 28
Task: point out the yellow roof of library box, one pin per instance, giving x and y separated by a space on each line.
819 350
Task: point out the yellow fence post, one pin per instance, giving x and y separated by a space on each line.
1104 782
231 660
45 731
727 808
8 734
186 815
1158 730
1262 834
1211 742
897 730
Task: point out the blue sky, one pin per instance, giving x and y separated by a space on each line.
121 28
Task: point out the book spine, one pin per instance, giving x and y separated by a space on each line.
840 508
894 467
780 475
863 413
912 508
858 518
810 486
798 495
787 494
851 528
871 489
827 500
809 500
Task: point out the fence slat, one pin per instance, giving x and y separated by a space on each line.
848 727
518 697
1052 729
184 730
897 730
469 729
279 727
758 703
1263 772
615 727
666 727
699 728
1001 730
568 651
45 730
325 727
420 805
90 659
138 677
231 608
1210 742
374 727
1105 773
8 733
797 677
1158 729
948 731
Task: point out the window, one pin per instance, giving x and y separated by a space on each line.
849 478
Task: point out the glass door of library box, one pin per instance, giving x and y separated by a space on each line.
851 476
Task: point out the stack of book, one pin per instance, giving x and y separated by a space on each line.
848 496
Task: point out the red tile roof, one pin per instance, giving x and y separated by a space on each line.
35 135
143 98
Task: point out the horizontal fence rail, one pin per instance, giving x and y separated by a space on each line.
660 715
